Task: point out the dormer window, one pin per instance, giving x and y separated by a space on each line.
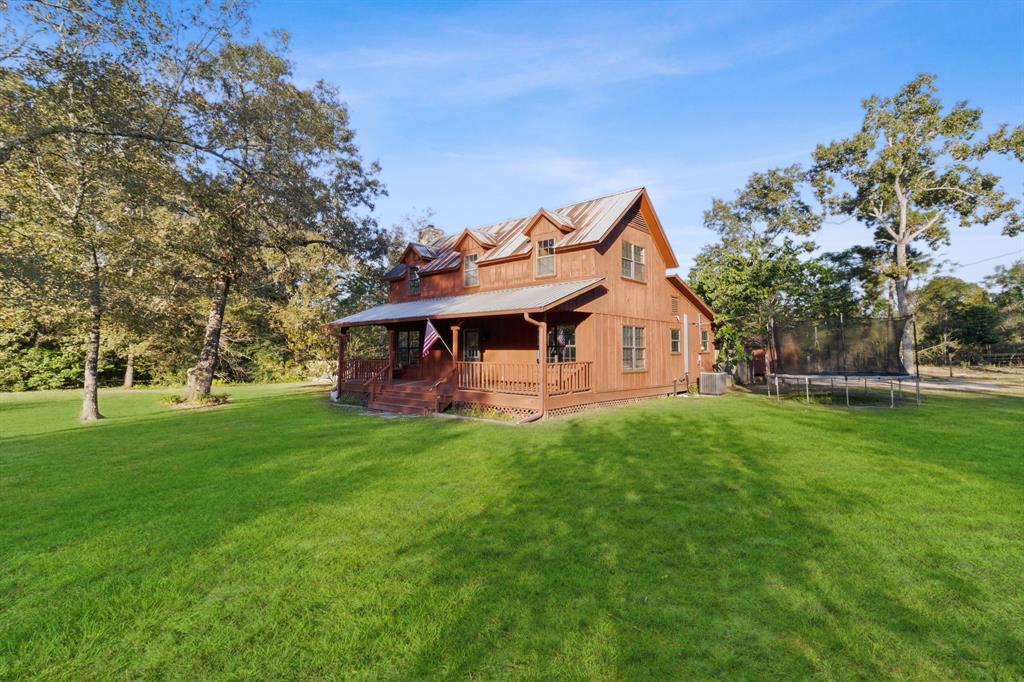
470 270
545 257
414 280
633 262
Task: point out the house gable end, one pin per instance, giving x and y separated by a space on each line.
686 290
640 215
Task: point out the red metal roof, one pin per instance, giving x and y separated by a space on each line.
585 222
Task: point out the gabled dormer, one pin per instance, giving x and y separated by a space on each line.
474 238
404 276
544 217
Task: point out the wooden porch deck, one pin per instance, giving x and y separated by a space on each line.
504 385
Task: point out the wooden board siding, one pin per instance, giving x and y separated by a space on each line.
599 315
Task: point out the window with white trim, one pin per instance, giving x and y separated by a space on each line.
705 341
633 348
470 270
675 340
633 262
545 257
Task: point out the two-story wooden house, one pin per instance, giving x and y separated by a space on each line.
544 314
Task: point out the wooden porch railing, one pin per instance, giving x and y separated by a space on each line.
361 369
520 378
500 377
569 377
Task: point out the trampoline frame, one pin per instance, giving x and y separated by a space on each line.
895 384
895 380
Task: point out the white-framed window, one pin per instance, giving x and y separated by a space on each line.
471 345
705 341
675 341
633 348
562 343
633 262
414 280
408 348
545 257
470 270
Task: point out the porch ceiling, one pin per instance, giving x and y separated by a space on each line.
501 301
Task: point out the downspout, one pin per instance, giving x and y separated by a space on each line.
542 369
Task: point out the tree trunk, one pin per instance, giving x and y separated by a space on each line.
90 397
200 377
129 371
903 307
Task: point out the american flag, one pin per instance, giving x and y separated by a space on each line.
429 338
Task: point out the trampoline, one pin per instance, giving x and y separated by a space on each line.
842 353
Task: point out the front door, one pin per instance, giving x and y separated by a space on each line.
407 354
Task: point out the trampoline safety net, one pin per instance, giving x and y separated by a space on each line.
842 346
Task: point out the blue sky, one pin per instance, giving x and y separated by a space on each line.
486 111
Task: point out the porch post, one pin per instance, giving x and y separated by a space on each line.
542 354
455 342
391 355
341 361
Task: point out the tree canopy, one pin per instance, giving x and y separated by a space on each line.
152 159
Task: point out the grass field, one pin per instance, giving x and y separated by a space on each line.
279 537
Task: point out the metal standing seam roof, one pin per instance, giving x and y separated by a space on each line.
590 220
523 299
397 272
424 250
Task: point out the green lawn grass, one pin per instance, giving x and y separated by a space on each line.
279 537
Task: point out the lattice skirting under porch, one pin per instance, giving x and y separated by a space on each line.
514 412
576 409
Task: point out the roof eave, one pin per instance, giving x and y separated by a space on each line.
686 289
337 324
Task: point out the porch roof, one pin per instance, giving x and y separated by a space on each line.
535 298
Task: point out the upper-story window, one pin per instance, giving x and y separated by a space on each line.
470 270
633 262
545 257
414 281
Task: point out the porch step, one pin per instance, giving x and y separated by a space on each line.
401 406
405 400
407 389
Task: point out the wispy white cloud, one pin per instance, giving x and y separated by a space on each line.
467 64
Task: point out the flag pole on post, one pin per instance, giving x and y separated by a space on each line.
430 336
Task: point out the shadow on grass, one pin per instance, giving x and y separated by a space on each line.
608 558
661 541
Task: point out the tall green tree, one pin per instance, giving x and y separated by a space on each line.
294 180
953 314
1006 285
911 172
75 205
760 269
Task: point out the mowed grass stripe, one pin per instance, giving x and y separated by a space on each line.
280 537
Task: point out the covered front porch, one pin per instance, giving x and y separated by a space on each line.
486 361
523 362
